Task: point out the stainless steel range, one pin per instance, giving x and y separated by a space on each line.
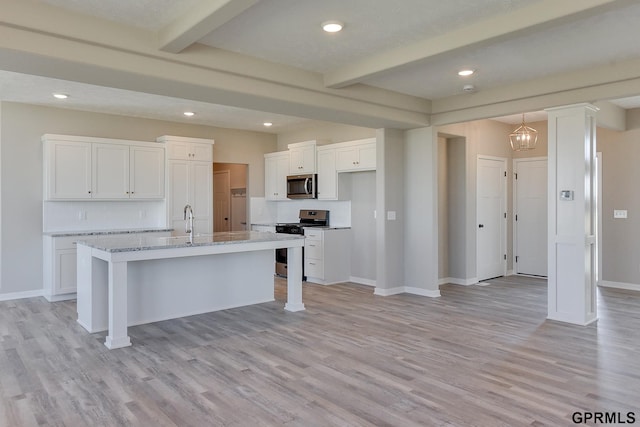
308 218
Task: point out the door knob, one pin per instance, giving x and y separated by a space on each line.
226 219
480 225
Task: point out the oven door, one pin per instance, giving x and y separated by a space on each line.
302 186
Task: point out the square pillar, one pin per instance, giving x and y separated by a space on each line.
572 214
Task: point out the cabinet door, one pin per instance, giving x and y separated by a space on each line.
346 158
367 156
302 160
68 173
276 169
327 175
282 168
178 193
146 172
201 196
201 152
65 271
110 171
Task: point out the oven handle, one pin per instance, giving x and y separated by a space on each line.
306 185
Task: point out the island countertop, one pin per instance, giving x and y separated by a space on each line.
132 243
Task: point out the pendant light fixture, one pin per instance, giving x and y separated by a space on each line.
523 138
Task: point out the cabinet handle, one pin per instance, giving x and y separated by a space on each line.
89 191
312 263
313 245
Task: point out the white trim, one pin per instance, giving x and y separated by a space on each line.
406 290
20 295
510 273
619 285
56 298
462 282
388 292
421 292
598 200
569 318
362 281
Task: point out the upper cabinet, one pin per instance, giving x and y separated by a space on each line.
276 169
183 148
327 175
80 168
302 158
356 156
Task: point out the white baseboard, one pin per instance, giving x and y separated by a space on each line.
455 281
510 273
387 292
406 290
620 285
56 298
20 295
362 281
422 292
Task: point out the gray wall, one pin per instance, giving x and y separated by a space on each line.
620 173
21 172
456 187
363 225
443 210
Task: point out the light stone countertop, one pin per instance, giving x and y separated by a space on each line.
141 242
105 232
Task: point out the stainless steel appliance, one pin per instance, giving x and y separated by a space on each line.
302 186
308 218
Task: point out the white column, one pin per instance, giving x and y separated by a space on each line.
117 337
294 279
572 225
85 290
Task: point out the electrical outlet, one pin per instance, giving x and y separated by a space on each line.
620 213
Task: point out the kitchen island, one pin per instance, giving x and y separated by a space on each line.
135 279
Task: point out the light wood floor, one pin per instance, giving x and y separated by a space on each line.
477 356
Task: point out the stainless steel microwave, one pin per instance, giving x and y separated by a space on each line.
302 186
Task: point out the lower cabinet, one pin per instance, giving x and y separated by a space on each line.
327 255
60 265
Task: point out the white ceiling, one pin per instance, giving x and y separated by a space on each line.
288 32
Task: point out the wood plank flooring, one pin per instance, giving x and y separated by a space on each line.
477 356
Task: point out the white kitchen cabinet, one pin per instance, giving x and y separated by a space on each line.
187 149
110 171
354 156
302 158
146 172
81 168
60 265
276 169
67 170
327 174
327 255
189 182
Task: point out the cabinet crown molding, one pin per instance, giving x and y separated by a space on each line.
171 138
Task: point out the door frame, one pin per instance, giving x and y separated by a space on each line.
514 206
503 226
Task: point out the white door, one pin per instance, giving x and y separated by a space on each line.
110 171
146 175
491 215
530 216
221 201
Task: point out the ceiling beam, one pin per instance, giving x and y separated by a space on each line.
200 21
538 14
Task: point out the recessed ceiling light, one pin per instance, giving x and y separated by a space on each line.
465 73
60 96
268 124
189 113
332 26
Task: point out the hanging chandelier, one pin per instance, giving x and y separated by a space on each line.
523 138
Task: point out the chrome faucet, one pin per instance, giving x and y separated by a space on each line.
188 226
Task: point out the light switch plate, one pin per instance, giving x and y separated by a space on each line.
620 213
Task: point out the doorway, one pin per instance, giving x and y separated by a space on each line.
230 196
491 231
530 216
